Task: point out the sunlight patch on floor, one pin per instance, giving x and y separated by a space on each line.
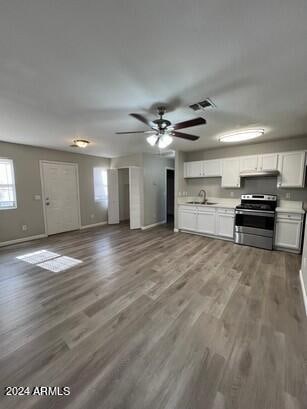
38 256
50 261
59 264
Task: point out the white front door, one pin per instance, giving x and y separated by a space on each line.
136 183
60 196
113 196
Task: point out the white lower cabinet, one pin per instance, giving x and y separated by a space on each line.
288 231
225 222
187 218
207 220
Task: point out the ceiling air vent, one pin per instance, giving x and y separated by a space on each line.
195 107
207 103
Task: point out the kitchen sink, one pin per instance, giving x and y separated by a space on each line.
201 203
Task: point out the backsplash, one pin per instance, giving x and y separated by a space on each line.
248 185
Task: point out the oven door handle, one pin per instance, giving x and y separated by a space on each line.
255 213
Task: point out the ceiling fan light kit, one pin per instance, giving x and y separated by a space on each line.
162 141
152 139
163 130
81 143
241 135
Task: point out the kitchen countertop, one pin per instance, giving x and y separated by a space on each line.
218 202
285 206
290 206
290 210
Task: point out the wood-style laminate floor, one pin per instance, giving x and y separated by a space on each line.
153 319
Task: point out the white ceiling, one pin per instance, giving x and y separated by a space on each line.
78 67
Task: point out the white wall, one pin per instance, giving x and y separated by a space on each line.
28 184
155 188
126 161
123 187
180 182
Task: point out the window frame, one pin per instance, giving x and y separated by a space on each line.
13 185
105 185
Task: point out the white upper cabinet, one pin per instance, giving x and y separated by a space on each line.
248 163
291 166
193 169
268 161
259 162
203 168
231 172
212 168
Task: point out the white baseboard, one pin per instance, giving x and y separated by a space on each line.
303 290
88 226
23 239
153 225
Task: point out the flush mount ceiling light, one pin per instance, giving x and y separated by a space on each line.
81 143
242 135
163 141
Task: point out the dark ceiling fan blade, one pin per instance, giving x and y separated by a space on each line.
142 119
191 122
124 133
185 136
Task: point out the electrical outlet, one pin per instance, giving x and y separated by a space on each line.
288 195
232 194
37 197
24 227
92 216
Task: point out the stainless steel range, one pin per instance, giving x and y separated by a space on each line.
255 220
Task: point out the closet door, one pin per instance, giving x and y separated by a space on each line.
113 199
135 182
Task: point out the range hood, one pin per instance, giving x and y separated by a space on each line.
255 173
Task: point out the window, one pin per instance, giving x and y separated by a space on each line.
101 185
7 185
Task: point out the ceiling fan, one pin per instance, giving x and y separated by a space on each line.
162 130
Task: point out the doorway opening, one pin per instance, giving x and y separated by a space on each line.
125 192
170 195
124 195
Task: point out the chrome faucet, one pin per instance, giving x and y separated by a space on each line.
203 193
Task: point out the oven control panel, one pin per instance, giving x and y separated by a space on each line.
259 197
